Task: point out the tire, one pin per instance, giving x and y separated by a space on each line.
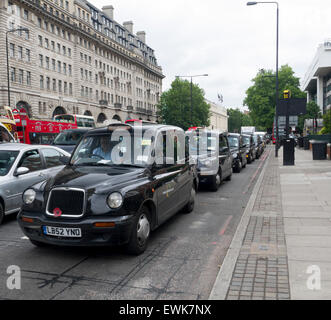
229 178
38 243
238 167
2 213
190 205
215 182
140 233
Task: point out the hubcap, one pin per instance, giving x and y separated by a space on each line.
143 229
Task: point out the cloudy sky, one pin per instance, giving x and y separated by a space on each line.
226 39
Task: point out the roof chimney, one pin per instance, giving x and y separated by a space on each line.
109 11
142 36
128 25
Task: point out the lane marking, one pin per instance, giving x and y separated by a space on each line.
226 224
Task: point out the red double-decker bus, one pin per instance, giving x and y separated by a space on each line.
32 131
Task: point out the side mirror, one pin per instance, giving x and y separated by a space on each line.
20 171
224 149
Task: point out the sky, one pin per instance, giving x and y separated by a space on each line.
227 40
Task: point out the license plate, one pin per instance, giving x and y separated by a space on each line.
63 232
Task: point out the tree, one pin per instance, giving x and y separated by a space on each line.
261 96
237 119
313 112
327 122
175 105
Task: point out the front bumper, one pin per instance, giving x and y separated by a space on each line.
91 235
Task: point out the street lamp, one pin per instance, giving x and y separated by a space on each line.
13 30
277 82
200 75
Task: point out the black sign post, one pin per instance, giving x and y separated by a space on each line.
290 107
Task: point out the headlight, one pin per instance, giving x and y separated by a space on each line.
29 196
235 155
115 200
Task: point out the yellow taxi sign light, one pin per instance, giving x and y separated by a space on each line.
287 94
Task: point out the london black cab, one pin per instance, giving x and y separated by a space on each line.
250 147
210 149
238 151
121 183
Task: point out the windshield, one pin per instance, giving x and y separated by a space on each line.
118 147
202 144
255 138
69 138
233 142
247 140
7 158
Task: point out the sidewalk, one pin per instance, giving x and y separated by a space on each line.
284 238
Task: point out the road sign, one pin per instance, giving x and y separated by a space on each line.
296 106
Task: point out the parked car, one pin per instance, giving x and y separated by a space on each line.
238 151
211 151
68 139
24 165
263 139
120 184
250 147
258 145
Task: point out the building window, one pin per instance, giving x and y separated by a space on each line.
70 88
20 53
64 68
46 43
25 14
27 55
60 86
53 64
65 87
40 40
70 70
20 76
59 66
54 85
41 82
48 83
47 62
12 50
13 74
28 78
41 60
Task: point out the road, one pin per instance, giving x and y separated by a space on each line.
182 260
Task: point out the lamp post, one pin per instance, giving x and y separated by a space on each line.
277 82
8 80
200 75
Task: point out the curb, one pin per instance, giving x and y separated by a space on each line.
224 276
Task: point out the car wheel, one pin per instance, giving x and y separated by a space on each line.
229 178
238 167
38 243
244 165
215 182
140 233
190 205
2 213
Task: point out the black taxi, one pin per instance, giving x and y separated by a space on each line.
121 183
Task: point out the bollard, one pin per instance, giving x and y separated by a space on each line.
329 151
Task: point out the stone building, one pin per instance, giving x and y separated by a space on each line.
76 59
218 117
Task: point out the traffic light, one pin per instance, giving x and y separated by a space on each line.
287 94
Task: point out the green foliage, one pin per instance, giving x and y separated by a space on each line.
237 119
327 122
175 105
261 96
313 112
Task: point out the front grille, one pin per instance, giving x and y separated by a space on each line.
69 201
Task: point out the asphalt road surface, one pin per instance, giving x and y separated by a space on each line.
181 262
